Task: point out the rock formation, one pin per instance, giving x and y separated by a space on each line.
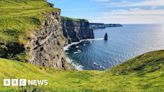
106 37
43 48
76 29
46 48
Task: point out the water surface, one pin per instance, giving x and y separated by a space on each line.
124 43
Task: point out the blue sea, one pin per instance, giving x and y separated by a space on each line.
124 43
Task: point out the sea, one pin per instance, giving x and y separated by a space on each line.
123 43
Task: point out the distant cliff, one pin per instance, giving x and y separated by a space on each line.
113 25
97 25
103 25
76 29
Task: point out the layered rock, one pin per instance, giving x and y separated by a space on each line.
46 46
76 29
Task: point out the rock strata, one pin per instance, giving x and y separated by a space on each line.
76 29
46 46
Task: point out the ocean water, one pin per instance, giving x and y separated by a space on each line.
124 43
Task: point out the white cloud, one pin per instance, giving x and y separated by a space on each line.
131 19
136 11
149 3
135 16
125 3
141 3
102 0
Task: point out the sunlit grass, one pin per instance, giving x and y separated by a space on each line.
90 81
21 17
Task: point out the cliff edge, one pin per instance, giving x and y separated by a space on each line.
30 31
76 29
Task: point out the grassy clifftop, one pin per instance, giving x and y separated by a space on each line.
72 19
146 63
19 17
141 74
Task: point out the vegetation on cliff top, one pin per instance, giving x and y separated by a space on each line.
19 17
73 19
18 20
144 73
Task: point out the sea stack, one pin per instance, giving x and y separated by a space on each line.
106 37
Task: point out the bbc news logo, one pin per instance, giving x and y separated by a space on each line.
24 82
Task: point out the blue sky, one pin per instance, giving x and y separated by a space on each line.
114 11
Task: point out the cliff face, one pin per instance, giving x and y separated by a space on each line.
38 37
43 48
76 30
46 46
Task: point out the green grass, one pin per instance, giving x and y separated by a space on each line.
126 77
72 19
19 17
18 21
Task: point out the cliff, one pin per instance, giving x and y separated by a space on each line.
97 25
103 25
46 48
32 37
76 29
113 25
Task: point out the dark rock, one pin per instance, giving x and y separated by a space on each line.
106 37
46 46
76 30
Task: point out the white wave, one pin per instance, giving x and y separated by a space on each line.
77 66
102 67
75 43
77 46
95 63
78 51
75 52
98 39
69 45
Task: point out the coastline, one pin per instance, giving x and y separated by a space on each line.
75 43
77 66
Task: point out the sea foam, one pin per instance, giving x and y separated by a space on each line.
77 66
75 43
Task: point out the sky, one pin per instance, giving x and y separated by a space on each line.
114 11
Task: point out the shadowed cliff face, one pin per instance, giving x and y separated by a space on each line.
76 30
46 46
